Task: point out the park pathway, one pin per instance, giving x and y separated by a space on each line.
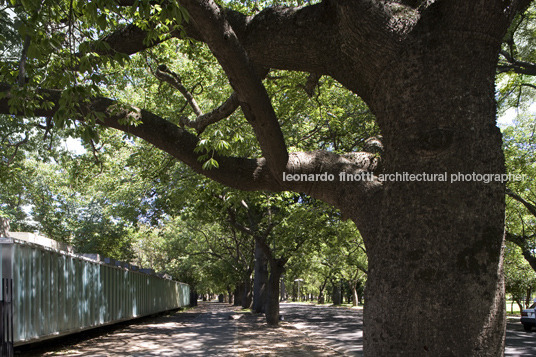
206 330
210 329
341 328
217 329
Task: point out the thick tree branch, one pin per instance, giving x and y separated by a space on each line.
258 237
311 84
223 111
203 120
528 85
520 5
298 32
528 205
516 66
129 39
308 170
522 243
493 20
168 76
330 38
253 98
264 245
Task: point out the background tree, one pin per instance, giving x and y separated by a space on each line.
348 259
519 277
520 150
517 63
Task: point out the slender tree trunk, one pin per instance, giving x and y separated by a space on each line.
321 298
272 296
336 296
229 295
435 283
283 289
519 304
4 227
193 298
260 279
355 297
247 298
239 290
360 294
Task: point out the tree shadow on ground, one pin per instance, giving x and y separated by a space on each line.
339 327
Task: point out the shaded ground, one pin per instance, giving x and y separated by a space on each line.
214 329
519 342
211 329
255 338
341 328
205 330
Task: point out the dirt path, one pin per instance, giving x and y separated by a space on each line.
211 329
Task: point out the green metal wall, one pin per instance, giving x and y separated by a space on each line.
56 293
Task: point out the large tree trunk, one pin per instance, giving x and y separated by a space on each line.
272 296
435 282
260 279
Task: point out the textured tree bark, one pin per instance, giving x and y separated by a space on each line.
239 289
355 297
193 298
4 227
435 265
260 279
336 295
247 297
272 296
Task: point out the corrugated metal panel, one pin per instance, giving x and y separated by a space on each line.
56 293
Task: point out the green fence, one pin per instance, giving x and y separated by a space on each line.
55 293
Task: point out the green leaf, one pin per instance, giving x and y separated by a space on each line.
210 164
101 22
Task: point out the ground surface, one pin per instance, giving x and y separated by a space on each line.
214 329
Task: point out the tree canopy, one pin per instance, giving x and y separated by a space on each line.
175 75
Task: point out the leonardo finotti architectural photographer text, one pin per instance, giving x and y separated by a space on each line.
404 177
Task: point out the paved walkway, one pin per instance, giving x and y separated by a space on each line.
340 328
203 331
214 329
211 329
519 342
